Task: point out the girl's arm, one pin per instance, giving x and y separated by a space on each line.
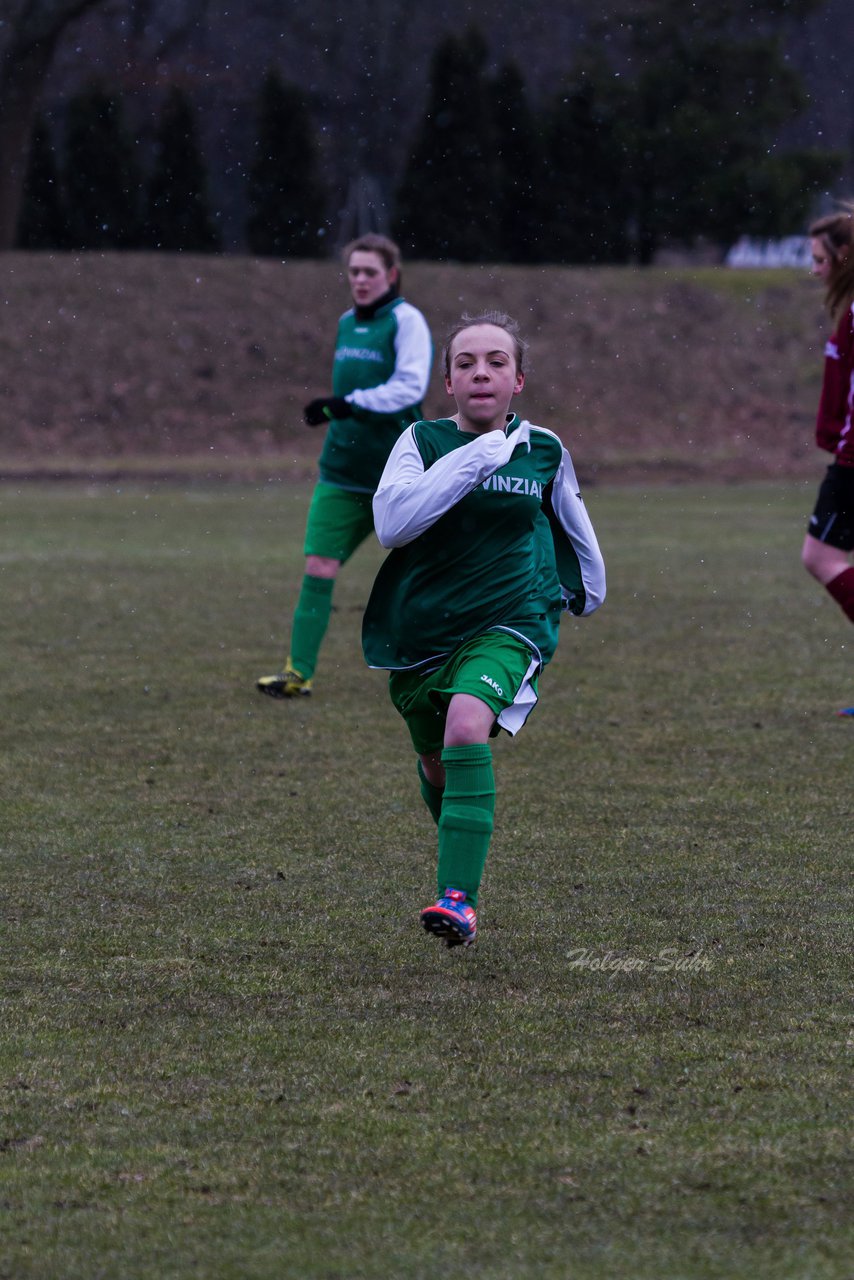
410 499
581 568
834 405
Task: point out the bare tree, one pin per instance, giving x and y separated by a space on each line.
31 30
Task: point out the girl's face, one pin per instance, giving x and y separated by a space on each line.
483 377
822 262
369 277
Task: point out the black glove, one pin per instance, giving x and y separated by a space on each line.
325 408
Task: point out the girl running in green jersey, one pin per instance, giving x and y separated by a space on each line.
490 543
381 369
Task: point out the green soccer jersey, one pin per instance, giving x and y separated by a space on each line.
381 367
488 531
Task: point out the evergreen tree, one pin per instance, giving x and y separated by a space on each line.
448 204
585 216
102 180
287 197
42 223
521 174
177 212
780 192
711 95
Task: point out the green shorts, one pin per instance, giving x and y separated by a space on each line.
338 522
496 667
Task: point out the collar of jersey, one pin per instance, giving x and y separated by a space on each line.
368 313
512 418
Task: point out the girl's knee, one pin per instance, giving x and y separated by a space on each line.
469 721
322 567
808 557
433 769
814 555
822 561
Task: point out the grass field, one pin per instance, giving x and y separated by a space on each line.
228 1050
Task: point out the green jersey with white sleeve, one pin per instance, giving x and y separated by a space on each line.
382 368
487 532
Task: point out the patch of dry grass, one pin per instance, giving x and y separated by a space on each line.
693 374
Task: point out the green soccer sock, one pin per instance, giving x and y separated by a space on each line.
465 827
431 795
311 618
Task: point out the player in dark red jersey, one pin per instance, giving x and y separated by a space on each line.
830 540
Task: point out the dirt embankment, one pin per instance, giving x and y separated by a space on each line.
155 363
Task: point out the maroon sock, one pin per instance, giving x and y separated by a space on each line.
842 589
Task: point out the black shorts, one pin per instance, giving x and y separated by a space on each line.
832 521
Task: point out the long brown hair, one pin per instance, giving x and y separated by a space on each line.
836 233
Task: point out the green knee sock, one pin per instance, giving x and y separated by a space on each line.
311 618
465 827
431 795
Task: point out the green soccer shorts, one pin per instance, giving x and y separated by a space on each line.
338 522
496 667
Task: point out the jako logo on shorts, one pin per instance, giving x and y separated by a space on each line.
493 684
